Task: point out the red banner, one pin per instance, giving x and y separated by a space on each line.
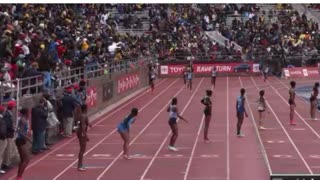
301 72
128 82
91 96
207 68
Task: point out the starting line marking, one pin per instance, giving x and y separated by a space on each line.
272 128
298 129
101 155
65 155
315 156
282 156
209 155
275 141
92 167
173 155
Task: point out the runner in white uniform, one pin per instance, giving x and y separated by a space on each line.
213 76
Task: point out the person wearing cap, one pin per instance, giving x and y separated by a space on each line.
11 150
3 137
75 88
69 103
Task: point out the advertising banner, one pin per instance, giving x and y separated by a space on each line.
299 72
91 96
128 82
207 68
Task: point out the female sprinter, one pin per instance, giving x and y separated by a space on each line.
124 131
241 111
265 73
261 109
189 77
152 77
213 76
21 141
174 115
82 124
314 101
185 72
292 103
207 113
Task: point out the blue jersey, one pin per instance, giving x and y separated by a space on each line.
125 124
240 104
189 75
23 129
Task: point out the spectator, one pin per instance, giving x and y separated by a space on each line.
69 103
3 137
31 74
11 150
39 123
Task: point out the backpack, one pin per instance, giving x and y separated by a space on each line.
3 128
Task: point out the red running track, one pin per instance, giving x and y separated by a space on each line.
281 149
287 149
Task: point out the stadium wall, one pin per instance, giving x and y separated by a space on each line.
102 92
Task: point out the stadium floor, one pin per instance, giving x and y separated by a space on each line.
280 149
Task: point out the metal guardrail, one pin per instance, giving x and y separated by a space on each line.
33 85
212 56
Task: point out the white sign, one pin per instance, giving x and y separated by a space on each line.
164 70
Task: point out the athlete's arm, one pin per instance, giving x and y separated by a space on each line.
244 108
176 109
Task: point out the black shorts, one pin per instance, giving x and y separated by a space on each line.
290 101
312 98
262 110
207 112
172 121
20 142
240 115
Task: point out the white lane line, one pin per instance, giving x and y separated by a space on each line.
164 141
91 149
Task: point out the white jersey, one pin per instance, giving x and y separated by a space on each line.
213 73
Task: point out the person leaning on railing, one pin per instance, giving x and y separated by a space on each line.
31 82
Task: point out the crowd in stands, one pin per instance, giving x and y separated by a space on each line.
279 31
48 40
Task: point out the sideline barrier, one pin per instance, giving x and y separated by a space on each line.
300 72
102 91
170 70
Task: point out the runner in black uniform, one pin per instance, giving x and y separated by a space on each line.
207 113
292 103
314 101
152 76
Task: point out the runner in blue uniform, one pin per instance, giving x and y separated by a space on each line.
173 116
124 131
241 111
189 77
